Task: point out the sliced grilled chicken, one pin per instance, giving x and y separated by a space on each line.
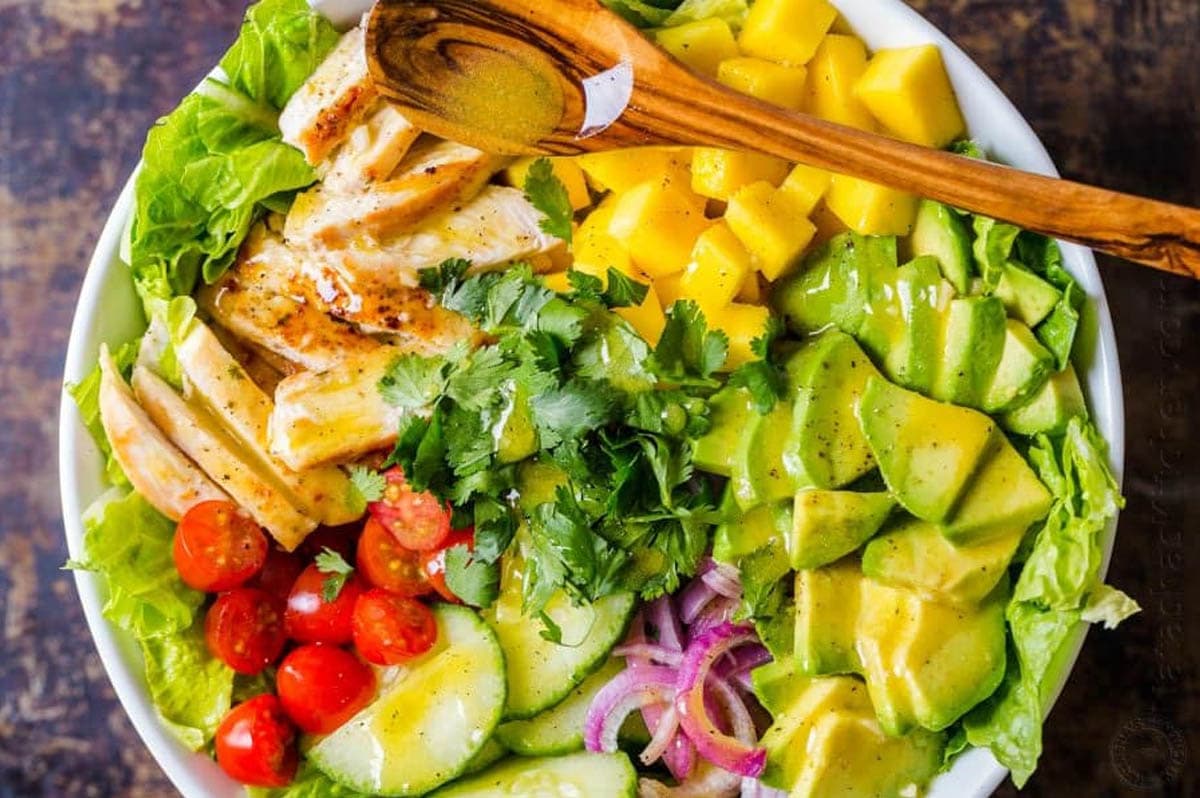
336 96
333 416
433 176
200 436
156 468
265 368
372 151
212 376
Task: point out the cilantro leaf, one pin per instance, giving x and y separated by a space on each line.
584 285
338 570
547 193
550 630
414 382
576 408
365 486
623 291
494 529
688 353
471 579
444 277
764 379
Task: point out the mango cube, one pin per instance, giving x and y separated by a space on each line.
772 226
807 185
621 170
658 223
871 209
827 222
669 289
778 84
909 92
787 31
647 318
702 45
558 282
835 69
751 290
718 269
565 169
742 323
596 249
718 174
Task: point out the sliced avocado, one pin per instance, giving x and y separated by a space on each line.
923 296
740 534
825 446
836 283
537 482
850 755
829 524
914 554
729 411
1024 367
940 232
826 613
926 450
786 740
758 475
514 432
776 684
1005 494
1049 410
972 344
1026 296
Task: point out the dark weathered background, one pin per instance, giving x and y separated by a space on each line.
1112 86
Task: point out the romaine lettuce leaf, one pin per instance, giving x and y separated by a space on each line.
309 783
86 394
732 11
192 689
643 13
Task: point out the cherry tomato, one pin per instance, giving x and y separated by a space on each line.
389 629
218 547
244 629
256 743
418 520
433 563
322 687
384 563
278 573
309 618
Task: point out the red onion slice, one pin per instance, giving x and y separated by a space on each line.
650 652
630 689
720 580
660 741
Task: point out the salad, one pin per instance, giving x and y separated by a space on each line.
659 472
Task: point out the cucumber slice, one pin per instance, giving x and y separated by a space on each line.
491 753
577 775
558 730
429 719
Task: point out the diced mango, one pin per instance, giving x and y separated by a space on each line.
565 169
838 64
559 282
909 92
772 226
647 318
669 289
871 209
719 266
621 170
718 174
807 185
742 323
596 249
787 31
827 222
658 223
702 45
841 25
766 80
751 290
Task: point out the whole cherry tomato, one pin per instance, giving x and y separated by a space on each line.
310 618
278 573
390 629
322 687
385 564
418 520
256 743
218 547
433 563
244 629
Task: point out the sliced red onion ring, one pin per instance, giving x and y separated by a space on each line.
715 613
708 781
630 689
741 660
660 741
661 615
753 788
650 652
740 721
680 754
720 580
694 598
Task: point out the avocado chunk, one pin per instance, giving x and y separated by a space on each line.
850 755
730 410
776 684
914 554
973 343
1005 494
940 232
837 283
926 450
924 298
810 699
1049 410
825 445
829 524
1026 296
740 534
758 475
1024 367
827 612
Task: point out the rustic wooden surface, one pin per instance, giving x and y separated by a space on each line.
1113 88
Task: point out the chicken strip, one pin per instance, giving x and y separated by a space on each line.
371 152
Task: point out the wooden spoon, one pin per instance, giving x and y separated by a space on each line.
569 76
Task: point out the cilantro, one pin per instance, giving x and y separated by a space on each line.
624 291
413 381
365 486
550 631
688 353
584 285
547 193
471 579
573 409
444 277
764 379
338 570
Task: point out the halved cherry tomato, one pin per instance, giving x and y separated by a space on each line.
418 520
322 687
218 547
278 573
389 629
433 563
244 629
256 743
309 618
384 563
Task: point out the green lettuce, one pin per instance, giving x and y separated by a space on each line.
309 783
213 165
191 688
86 394
671 13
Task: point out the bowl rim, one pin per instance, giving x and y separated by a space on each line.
975 773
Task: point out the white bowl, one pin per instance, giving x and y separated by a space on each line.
108 312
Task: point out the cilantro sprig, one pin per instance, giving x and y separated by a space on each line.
547 193
337 571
